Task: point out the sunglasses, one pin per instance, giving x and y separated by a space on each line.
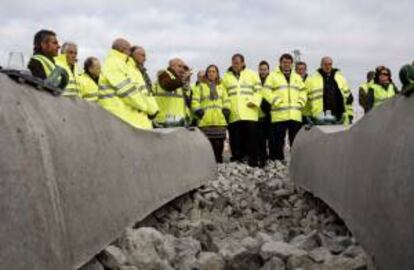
384 73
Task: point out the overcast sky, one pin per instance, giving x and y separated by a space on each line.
359 35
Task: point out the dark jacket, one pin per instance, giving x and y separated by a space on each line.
36 68
167 83
147 79
332 96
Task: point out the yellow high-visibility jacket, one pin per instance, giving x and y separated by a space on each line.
118 93
173 110
307 110
88 88
315 97
241 91
72 88
138 80
286 98
212 107
381 94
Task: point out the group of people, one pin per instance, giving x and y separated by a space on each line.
256 109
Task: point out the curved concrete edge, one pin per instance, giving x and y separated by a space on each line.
366 174
73 177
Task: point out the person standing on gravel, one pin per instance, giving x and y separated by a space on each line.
263 128
211 106
285 91
243 88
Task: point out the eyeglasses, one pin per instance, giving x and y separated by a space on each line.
384 74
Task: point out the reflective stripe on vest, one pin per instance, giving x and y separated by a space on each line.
168 94
287 108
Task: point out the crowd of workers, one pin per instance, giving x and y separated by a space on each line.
256 109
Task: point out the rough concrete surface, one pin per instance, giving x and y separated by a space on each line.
366 174
73 177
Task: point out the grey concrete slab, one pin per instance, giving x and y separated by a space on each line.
72 176
366 174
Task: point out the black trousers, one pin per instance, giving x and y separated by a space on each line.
244 141
263 130
218 147
278 135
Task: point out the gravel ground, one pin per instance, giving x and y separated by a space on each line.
248 218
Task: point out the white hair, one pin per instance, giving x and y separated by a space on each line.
66 45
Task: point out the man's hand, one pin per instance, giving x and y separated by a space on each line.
199 113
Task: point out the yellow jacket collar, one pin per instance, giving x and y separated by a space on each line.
118 54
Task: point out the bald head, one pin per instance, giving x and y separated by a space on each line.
327 64
178 66
121 45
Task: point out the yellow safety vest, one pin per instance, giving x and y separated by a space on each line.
118 93
72 88
139 82
315 94
307 110
286 98
88 88
241 91
381 94
213 114
173 111
48 66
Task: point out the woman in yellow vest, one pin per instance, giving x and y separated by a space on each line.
211 105
381 89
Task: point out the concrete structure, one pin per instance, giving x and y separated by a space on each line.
366 174
72 176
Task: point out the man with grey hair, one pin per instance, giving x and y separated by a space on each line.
329 94
68 61
170 94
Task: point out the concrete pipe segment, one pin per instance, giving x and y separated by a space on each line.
366 174
73 177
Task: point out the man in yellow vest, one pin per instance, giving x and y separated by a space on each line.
170 95
118 91
67 60
42 64
243 89
143 82
285 91
329 94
